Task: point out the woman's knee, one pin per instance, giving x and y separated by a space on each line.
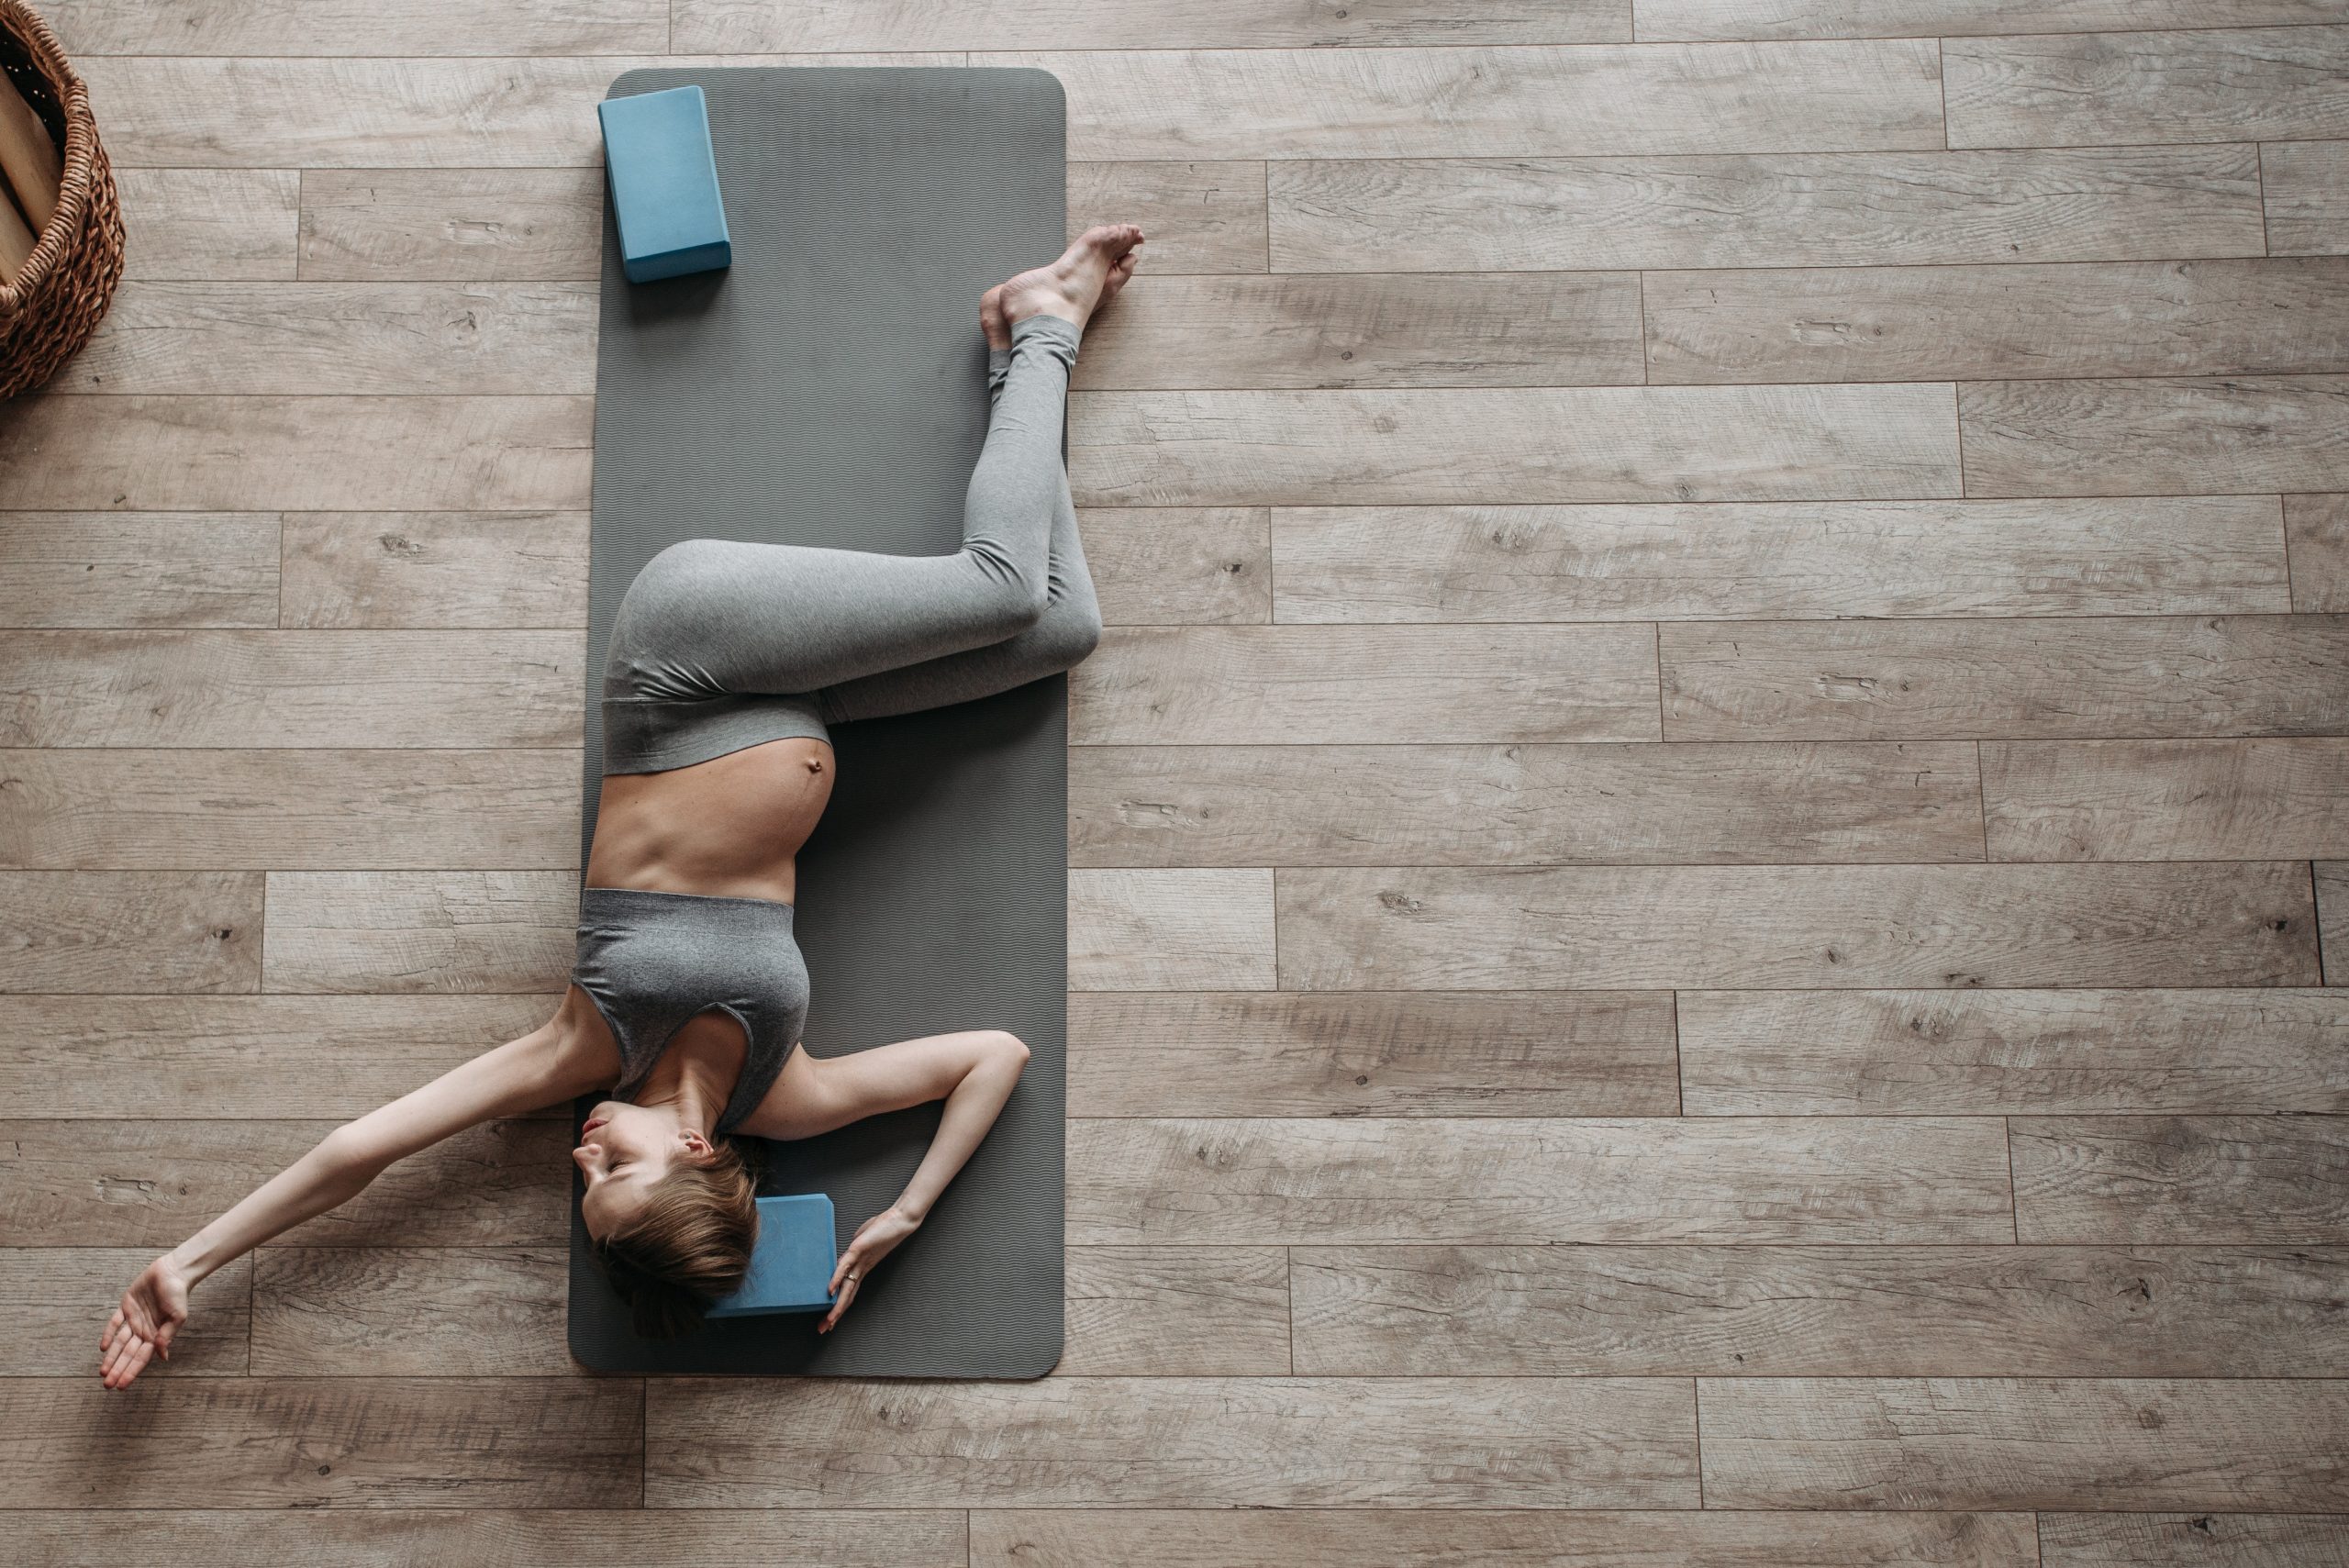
1009 602
1067 632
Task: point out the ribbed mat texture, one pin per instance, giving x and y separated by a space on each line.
831 389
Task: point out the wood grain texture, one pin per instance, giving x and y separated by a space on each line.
1602 804
2182 1180
152 1184
352 27
1797 926
409 1312
493 570
2118 318
1499 446
269 1443
58 1300
428 690
366 932
1587 99
2167 800
272 112
280 339
2317 529
2307 193
210 223
750 25
1304 1182
261 1057
141 452
138 569
292 584
1778 560
501 1537
2201 435
2039 679
1776 210
1188 929
1200 216
123 810
1163 1441
1371 329
2133 1443
2208 84
130 931
467 224
1180 565
1957 19
1999 1052
1818 1311
1392 1537
1176 1312
1438 1053
2332 884
1150 685
2214 1541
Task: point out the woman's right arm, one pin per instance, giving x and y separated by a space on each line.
550 1063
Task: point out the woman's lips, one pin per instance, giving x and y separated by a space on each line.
593 1123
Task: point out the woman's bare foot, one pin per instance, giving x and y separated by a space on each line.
992 320
1087 276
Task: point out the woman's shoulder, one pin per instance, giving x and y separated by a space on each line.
579 1053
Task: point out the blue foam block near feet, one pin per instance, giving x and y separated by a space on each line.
664 184
791 1262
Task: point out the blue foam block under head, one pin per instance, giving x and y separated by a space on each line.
792 1262
664 184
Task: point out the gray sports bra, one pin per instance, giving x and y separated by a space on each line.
651 961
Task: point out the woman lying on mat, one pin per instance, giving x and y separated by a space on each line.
727 663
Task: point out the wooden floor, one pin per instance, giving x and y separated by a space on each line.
1705 833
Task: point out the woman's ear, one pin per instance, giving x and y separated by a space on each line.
695 1144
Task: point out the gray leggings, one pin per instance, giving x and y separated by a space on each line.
721 644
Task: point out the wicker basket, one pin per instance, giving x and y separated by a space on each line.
53 304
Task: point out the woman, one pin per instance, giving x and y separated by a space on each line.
727 662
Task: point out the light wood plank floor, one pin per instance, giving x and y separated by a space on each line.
1711 836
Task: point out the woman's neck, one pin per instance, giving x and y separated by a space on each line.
689 1085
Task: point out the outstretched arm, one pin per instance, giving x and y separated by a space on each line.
973 1070
550 1063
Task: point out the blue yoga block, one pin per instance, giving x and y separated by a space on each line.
664 184
792 1262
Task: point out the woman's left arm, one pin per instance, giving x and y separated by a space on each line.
973 1070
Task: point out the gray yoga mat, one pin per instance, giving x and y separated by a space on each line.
831 389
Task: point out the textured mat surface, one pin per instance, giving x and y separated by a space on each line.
831 389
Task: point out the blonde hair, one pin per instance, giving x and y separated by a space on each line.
689 1245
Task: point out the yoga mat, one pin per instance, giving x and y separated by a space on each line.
831 389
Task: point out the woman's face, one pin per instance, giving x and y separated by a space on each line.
623 1150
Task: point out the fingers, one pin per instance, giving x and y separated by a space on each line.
847 1274
117 1344
125 1362
131 1365
838 1307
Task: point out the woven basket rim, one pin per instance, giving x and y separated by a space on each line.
81 140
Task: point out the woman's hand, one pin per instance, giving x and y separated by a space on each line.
145 1324
874 1240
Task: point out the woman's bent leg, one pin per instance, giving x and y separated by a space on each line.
1060 639
708 618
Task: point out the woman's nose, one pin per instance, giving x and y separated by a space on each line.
584 1158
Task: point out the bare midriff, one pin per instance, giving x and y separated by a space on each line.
730 828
